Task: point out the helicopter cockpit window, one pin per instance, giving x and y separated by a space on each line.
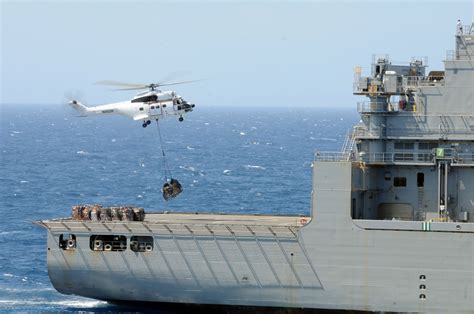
149 98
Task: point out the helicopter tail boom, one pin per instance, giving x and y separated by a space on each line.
83 110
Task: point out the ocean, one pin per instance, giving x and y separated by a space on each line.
228 159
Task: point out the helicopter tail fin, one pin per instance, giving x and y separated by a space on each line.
79 107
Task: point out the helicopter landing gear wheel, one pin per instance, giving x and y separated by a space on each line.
148 122
181 119
144 124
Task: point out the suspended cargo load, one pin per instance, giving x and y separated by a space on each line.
171 189
99 213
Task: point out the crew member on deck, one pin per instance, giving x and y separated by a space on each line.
459 27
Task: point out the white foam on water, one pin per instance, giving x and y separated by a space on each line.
189 168
242 133
82 152
190 148
26 290
23 181
7 274
254 167
65 303
10 232
226 171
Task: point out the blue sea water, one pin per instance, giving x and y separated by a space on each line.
232 160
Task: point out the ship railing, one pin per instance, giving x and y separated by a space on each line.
377 132
417 81
385 107
452 55
333 156
398 157
467 29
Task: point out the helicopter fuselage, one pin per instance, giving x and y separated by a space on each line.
145 107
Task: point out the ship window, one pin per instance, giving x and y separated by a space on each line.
141 108
400 181
404 145
67 241
141 243
427 145
420 179
108 243
152 107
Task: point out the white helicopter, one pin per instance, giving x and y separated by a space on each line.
146 106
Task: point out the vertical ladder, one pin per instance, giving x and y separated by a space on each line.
419 213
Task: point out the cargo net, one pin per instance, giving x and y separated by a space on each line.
171 189
99 213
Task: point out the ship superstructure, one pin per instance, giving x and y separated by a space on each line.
391 226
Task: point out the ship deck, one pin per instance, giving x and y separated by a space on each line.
187 224
225 219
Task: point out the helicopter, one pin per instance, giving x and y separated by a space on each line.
145 106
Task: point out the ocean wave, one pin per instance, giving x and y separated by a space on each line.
189 168
4 233
26 290
65 303
82 152
226 171
254 167
190 148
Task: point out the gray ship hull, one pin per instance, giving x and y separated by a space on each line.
332 262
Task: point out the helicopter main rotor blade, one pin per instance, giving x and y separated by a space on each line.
117 83
177 83
133 88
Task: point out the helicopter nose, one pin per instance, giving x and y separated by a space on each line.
188 106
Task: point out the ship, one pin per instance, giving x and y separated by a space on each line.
391 226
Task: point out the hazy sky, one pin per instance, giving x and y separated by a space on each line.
252 53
